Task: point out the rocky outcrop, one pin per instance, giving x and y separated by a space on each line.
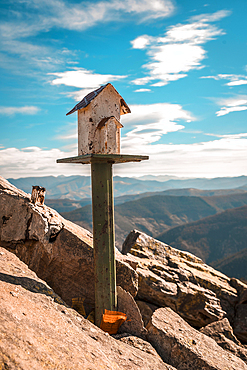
150 273
60 252
222 332
184 347
39 331
169 277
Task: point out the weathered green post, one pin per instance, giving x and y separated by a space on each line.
107 144
103 238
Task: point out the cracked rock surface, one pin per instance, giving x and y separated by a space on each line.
183 282
39 331
186 348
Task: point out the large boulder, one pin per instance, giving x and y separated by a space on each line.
184 347
180 280
60 252
222 332
39 331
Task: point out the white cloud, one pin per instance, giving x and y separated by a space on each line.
235 80
141 42
232 105
80 15
179 51
142 90
34 161
147 123
83 79
216 158
10 111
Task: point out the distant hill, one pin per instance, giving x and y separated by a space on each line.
234 265
213 238
157 213
68 205
150 214
209 184
81 216
78 187
160 212
180 192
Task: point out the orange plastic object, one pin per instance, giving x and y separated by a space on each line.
112 320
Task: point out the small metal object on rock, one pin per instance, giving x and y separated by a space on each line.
38 195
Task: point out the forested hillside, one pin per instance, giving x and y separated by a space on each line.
158 213
220 240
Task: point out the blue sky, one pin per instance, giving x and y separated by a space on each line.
181 66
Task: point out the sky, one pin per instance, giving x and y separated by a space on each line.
181 66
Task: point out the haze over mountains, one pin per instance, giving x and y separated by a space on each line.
210 221
78 187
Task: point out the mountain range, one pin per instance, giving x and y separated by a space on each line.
78 187
158 213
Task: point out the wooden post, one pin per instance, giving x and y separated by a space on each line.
103 239
103 225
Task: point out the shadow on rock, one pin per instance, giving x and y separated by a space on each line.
32 285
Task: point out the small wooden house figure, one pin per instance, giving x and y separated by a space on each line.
99 121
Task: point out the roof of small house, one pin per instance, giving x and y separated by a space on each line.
89 97
104 121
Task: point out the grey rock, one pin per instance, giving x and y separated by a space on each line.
127 277
180 280
184 347
126 304
222 332
240 322
240 318
146 310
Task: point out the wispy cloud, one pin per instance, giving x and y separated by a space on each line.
83 79
34 161
10 111
147 123
234 80
82 15
79 15
142 90
179 51
232 105
32 17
